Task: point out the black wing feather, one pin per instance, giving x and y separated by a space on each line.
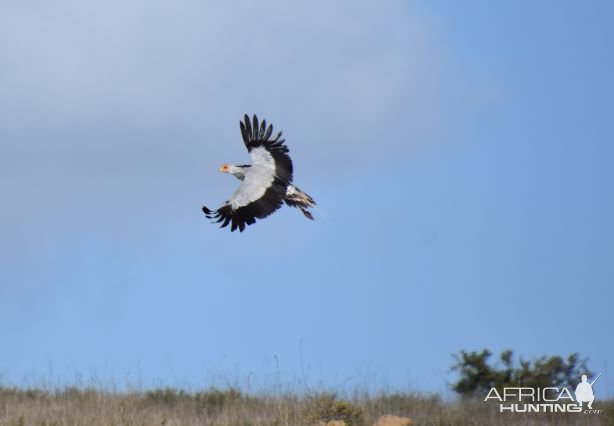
268 132
247 215
255 136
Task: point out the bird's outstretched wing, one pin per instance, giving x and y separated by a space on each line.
263 189
264 150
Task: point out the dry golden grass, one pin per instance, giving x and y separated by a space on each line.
93 407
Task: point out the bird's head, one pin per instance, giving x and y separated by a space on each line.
236 171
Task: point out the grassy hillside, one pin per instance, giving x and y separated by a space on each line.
93 407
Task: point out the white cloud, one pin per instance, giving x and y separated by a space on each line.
139 60
106 103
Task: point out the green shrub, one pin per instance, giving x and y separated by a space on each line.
326 407
166 396
213 401
478 376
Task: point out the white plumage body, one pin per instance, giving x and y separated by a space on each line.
256 180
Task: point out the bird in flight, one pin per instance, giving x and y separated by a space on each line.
265 184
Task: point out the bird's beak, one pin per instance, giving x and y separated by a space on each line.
223 168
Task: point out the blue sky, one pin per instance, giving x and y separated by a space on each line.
460 153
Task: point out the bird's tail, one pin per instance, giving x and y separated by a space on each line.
299 199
